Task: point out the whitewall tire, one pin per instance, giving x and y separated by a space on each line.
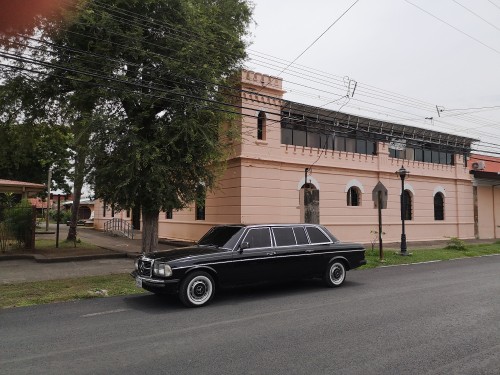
335 274
197 289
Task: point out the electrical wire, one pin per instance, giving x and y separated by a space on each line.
498 6
204 44
148 19
315 40
477 15
455 28
375 104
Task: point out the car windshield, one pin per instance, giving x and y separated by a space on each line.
225 237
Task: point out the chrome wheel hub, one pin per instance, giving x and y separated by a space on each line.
199 290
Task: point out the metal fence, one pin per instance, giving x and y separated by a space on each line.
119 226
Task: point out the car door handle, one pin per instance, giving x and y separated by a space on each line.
309 251
272 253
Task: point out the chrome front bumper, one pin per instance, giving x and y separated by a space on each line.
156 285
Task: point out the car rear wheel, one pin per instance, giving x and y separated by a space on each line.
197 289
335 274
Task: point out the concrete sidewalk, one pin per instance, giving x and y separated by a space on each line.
104 240
67 265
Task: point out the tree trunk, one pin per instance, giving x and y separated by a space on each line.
77 194
149 230
81 130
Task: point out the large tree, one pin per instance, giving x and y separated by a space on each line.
165 147
139 82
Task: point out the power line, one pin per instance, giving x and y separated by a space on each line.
494 4
129 14
455 28
319 37
128 82
150 20
359 91
315 40
477 15
312 111
471 108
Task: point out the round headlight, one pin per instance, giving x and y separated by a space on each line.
162 269
168 270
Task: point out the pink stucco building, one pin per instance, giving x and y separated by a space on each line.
486 195
345 157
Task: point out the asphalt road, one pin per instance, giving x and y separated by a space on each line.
435 318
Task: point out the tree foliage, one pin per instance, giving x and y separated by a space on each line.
139 83
31 144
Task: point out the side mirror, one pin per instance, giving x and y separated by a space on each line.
244 245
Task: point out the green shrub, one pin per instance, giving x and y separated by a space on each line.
4 237
18 222
455 243
64 215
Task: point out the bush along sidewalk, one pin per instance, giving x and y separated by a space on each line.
17 226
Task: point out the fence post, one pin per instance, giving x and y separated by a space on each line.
30 240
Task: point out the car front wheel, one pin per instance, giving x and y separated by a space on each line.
197 289
335 274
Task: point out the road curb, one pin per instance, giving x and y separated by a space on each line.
77 258
436 261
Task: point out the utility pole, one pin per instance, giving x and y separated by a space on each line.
49 180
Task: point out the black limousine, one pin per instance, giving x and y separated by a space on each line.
232 255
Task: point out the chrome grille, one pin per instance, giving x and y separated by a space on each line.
145 267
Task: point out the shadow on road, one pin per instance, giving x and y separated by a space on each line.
160 304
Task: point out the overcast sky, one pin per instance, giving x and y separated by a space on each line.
395 52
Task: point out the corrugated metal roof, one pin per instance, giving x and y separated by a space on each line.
381 129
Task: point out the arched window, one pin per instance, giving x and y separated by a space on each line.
408 208
353 196
438 206
261 125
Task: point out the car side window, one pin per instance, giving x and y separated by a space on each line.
316 236
300 235
258 237
284 236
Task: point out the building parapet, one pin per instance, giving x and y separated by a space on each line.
262 82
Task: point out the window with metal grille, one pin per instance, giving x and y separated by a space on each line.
353 196
200 211
408 205
438 206
261 125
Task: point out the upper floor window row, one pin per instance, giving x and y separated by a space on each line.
423 154
302 136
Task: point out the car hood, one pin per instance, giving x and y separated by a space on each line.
184 252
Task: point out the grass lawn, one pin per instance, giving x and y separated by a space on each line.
35 293
392 257
47 248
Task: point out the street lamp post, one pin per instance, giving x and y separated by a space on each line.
58 215
402 173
